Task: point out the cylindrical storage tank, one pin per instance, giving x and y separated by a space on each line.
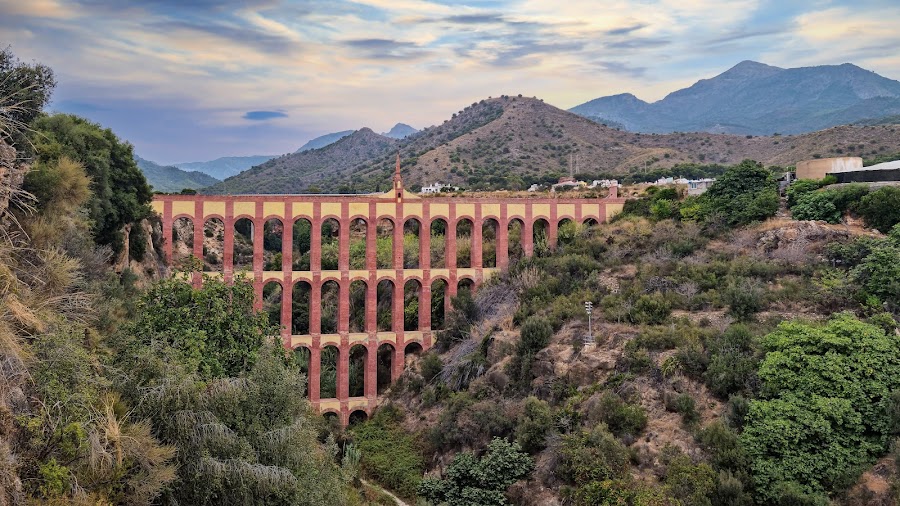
818 169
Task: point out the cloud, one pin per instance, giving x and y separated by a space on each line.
384 49
263 115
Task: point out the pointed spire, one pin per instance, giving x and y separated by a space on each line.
397 170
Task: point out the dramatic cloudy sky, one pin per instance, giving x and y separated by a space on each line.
197 79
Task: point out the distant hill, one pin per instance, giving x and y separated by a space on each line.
221 168
324 140
508 142
757 99
166 178
400 131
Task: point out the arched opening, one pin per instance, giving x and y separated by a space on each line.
514 239
438 244
358 231
301 242
243 244
332 421
331 314
358 416
566 232
590 222
272 302
302 357
465 286
411 353
358 291
385 304
384 256
358 355
464 243
385 366
539 237
411 228
328 372
300 308
489 243
438 303
412 290
331 230
273 234
213 244
182 241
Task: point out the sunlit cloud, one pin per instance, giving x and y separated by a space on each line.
202 79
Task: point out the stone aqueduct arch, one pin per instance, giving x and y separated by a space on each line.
398 206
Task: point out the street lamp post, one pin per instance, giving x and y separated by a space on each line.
589 308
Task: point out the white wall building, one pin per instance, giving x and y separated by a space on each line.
437 188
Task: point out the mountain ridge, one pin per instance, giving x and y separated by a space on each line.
224 166
757 99
168 178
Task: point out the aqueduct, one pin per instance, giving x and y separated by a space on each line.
343 293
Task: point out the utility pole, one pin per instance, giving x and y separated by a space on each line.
589 308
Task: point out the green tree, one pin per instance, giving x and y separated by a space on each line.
120 193
823 411
470 481
214 328
746 193
24 91
534 424
881 208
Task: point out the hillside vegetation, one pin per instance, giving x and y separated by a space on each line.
511 142
170 179
737 358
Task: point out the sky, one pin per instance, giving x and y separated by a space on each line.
191 80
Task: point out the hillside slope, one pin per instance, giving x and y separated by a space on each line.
172 179
508 142
324 140
754 98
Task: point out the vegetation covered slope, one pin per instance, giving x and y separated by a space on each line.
171 179
511 142
737 359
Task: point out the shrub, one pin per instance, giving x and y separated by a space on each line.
816 206
732 362
388 453
799 188
651 309
591 456
746 193
534 424
685 405
881 208
690 483
624 420
536 333
431 366
745 297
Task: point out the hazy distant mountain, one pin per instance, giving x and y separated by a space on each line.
224 167
321 142
166 178
400 131
508 141
754 98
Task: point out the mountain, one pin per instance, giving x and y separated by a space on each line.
508 142
400 131
220 168
321 142
299 172
172 179
757 99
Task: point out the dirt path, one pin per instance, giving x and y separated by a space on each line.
392 496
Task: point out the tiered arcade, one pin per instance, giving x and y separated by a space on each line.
398 207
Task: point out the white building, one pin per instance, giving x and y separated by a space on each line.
438 188
604 183
699 186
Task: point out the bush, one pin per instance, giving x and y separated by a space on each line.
745 297
534 424
431 366
746 193
591 456
536 333
685 405
881 208
388 453
692 484
624 420
732 362
650 309
816 206
799 188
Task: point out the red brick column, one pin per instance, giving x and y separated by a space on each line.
477 237
257 253
398 240
398 362
343 372
425 311
397 305
503 239
315 368
168 225
343 323
528 232
287 296
199 225
371 240
371 374
315 239
287 238
228 246
552 227
315 305
450 240
372 304
344 238
425 241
